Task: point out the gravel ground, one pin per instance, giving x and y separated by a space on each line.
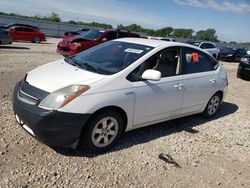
208 153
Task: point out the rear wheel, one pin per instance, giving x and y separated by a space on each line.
102 131
213 105
37 40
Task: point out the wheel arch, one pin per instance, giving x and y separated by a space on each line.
113 108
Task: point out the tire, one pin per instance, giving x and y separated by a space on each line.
99 136
37 40
213 105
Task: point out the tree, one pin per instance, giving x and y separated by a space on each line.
183 33
166 31
53 17
72 22
208 35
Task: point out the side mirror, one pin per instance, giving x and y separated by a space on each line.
151 74
104 40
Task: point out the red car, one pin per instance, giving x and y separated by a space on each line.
72 45
22 33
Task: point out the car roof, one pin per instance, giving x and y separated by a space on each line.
159 43
154 43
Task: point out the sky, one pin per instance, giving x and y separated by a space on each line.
230 18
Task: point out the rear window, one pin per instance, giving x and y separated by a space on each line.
110 57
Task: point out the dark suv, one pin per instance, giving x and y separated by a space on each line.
72 46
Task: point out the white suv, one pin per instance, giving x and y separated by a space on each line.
208 46
93 97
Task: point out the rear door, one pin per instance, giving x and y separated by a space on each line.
29 34
199 79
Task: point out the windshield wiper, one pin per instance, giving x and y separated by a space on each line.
72 62
90 67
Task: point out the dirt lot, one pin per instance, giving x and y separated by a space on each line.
210 153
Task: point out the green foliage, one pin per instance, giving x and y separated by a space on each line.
95 24
183 33
166 31
53 17
208 35
72 22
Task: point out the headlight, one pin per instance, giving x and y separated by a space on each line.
61 97
76 44
230 55
244 60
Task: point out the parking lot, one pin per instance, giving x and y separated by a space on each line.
209 152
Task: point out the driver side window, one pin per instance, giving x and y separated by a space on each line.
166 61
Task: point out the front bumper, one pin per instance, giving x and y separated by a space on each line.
51 127
244 71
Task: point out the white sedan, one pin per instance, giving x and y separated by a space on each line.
93 97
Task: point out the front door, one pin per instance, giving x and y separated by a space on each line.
159 100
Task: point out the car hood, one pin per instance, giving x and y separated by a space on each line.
70 38
56 75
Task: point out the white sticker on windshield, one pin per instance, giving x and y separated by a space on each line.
132 50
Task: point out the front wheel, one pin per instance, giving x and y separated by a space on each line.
212 105
37 40
102 131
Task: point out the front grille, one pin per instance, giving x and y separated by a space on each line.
30 94
27 98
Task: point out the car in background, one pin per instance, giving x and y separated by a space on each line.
8 26
5 37
161 38
91 98
224 52
76 32
235 55
208 46
72 46
68 36
244 68
23 33
248 51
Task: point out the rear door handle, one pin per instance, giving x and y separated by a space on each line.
178 86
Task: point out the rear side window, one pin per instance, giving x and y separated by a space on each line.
111 35
122 35
194 61
19 29
28 30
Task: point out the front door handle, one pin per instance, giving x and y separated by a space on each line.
178 86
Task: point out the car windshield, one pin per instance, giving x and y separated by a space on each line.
193 43
109 58
92 34
227 50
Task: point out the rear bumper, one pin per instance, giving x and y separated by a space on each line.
53 128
